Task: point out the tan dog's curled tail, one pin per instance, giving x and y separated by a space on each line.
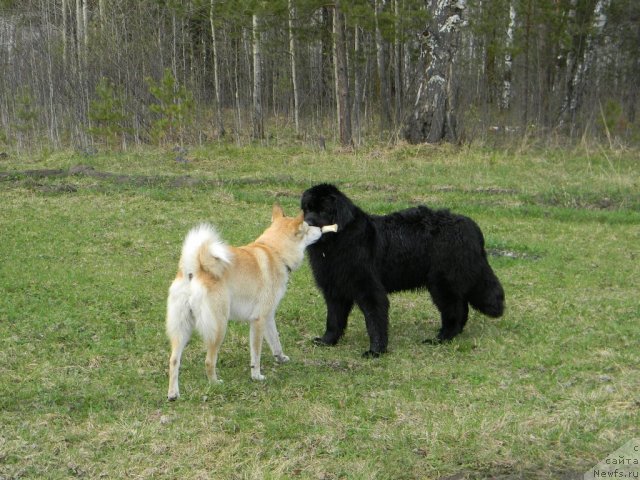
204 249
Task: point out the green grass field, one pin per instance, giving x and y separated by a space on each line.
86 259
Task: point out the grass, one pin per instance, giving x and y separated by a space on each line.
544 392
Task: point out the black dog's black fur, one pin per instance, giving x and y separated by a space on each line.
372 255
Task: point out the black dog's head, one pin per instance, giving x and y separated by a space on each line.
325 205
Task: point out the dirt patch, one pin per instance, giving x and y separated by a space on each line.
34 174
62 188
487 190
501 252
589 200
135 180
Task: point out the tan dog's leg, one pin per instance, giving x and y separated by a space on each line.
213 327
177 346
213 347
179 328
255 342
273 339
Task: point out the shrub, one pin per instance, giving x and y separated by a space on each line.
107 114
174 109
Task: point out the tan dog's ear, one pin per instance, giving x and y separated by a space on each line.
276 212
300 217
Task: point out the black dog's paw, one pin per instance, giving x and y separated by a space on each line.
324 342
371 354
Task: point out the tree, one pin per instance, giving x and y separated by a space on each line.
26 116
592 22
381 59
294 75
434 115
216 75
341 78
508 60
107 115
258 122
174 109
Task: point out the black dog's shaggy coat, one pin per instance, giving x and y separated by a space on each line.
372 255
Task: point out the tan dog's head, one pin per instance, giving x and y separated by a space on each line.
290 236
294 227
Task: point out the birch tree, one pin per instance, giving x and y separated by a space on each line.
64 33
216 76
397 62
357 83
385 95
341 78
102 14
434 114
508 59
257 119
81 41
85 29
294 76
582 58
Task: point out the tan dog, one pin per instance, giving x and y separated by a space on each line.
216 282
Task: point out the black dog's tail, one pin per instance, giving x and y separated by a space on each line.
487 296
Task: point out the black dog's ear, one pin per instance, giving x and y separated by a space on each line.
344 210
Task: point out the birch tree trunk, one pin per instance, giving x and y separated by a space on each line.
581 63
82 45
397 70
326 59
357 81
79 36
434 115
85 30
508 60
385 95
174 45
294 76
236 93
64 33
527 64
342 78
216 77
258 126
102 14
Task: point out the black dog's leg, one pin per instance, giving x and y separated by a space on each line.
337 314
454 312
454 317
375 307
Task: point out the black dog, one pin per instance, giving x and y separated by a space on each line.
372 255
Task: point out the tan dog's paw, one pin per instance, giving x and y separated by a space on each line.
282 358
258 376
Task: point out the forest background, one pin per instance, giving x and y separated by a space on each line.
110 74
